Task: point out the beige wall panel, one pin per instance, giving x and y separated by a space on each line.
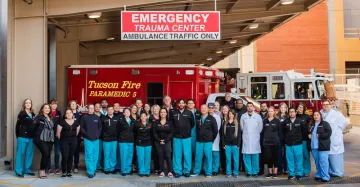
23 9
59 7
99 32
66 54
10 113
72 35
89 60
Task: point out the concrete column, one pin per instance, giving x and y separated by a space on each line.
332 35
248 59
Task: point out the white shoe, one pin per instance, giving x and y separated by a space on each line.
194 175
76 170
208 176
228 176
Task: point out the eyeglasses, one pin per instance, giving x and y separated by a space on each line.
326 104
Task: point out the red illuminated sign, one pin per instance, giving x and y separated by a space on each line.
170 25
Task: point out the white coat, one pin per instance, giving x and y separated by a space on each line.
251 128
216 144
338 123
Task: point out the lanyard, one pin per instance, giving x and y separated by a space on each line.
325 116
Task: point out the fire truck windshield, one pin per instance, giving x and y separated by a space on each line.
320 89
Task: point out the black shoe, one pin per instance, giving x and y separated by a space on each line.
156 172
274 176
214 173
187 175
141 175
147 175
334 176
324 181
114 172
20 175
269 176
317 178
256 176
260 173
123 174
305 175
63 176
248 175
107 172
91 176
177 175
298 178
30 174
69 175
291 177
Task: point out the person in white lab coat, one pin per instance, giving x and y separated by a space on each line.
337 122
216 144
251 125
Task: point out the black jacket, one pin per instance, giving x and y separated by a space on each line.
163 132
125 131
229 138
119 115
56 119
207 131
152 119
143 134
25 126
271 131
43 132
183 123
240 112
196 115
109 126
263 116
305 128
293 131
91 126
230 104
324 131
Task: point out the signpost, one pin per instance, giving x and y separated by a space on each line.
170 25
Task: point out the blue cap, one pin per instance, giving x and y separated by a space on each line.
211 105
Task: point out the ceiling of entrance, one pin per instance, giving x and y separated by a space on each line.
236 18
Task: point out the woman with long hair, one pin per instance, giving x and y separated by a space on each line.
77 116
231 135
147 109
125 133
163 132
44 137
301 109
155 116
271 131
319 135
224 118
143 145
24 136
282 115
134 113
67 133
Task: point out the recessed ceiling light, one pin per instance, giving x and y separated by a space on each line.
232 41
219 51
209 58
111 39
253 26
94 15
287 2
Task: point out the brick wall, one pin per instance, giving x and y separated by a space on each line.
301 43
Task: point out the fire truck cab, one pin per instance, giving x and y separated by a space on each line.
290 87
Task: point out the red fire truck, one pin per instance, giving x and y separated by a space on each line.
126 83
290 87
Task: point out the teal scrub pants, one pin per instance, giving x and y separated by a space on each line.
117 167
126 157
182 147
109 155
306 158
232 153
25 147
322 164
251 163
91 155
215 161
144 159
203 148
99 161
294 158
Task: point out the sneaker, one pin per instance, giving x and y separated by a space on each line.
63 176
170 175
69 175
208 176
256 175
177 175
248 175
57 172
305 175
236 176
76 170
194 175
187 175
91 176
51 172
30 174
162 174
228 176
107 172
147 175
268 176
114 172
141 175
274 176
20 175
291 178
317 178
298 178
123 174
156 172
215 173
324 181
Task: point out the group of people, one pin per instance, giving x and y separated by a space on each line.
220 137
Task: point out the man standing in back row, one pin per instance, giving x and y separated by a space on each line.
183 121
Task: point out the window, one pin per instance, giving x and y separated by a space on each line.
221 100
278 90
259 87
320 89
303 90
154 93
351 10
